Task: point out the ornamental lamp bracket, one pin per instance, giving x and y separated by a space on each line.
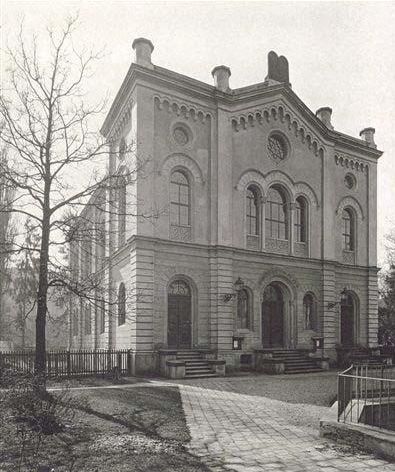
237 286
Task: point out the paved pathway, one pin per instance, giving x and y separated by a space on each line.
243 433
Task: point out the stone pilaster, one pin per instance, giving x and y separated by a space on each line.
372 308
329 316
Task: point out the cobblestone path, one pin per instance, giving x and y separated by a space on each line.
243 433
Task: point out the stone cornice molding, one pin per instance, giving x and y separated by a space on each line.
280 114
264 182
350 202
350 162
182 108
182 160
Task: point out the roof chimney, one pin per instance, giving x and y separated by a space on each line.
324 114
278 70
221 76
143 49
368 135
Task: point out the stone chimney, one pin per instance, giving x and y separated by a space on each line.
324 114
278 69
368 135
143 49
221 76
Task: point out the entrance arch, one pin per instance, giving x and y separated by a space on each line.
348 325
179 315
273 314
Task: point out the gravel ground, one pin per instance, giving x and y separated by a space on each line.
318 389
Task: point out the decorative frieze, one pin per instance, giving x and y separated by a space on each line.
349 257
180 233
300 249
279 246
181 108
253 242
278 113
350 162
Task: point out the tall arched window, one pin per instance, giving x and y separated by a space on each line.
121 304
309 310
243 309
180 200
102 311
122 149
121 212
300 220
252 211
276 215
88 323
348 240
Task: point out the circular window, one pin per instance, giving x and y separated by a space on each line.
180 135
350 181
277 147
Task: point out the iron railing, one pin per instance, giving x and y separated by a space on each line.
366 394
69 363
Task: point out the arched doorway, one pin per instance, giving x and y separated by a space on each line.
273 316
347 321
179 315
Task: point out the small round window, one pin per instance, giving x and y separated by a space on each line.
180 135
350 181
277 147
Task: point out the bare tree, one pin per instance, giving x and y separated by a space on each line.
46 127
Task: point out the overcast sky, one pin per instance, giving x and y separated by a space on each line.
341 54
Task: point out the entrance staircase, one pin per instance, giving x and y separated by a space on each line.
296 362
195 365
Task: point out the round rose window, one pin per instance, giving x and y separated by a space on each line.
180 136
277 147
349 180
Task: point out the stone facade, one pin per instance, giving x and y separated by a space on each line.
225 144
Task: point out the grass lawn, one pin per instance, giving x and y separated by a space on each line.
136 429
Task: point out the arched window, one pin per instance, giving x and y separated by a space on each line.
180 200
348 230
309 310
122 149
74 322
243 309
300 220
121 304
102 311
88 324
276 215
252 211
121 212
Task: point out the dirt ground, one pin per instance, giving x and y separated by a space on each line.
134 430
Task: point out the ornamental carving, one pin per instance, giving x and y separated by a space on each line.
278 274
349 257
277 245
300 249
180 233
253 242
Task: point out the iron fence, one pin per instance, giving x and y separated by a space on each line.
366 394
70 363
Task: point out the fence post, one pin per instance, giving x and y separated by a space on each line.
129 362
68 364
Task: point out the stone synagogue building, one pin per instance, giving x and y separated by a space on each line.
263 242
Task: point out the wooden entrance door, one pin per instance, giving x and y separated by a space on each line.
347 323
273 317
179 315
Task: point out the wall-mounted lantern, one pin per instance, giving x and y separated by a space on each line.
238 285
237 343
342 302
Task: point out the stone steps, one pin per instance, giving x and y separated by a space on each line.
296 362
195 365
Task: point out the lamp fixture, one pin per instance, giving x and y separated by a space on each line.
237 287
342 302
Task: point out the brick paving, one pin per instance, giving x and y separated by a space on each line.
239 432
